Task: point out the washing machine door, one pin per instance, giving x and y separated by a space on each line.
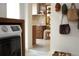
10 46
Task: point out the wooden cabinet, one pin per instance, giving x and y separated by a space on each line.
34 35
35 9
40 31
37 33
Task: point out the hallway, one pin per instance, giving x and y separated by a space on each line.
42 48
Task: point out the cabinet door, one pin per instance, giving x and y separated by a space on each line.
34 35
39 32
34 9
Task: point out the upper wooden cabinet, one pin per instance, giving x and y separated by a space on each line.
38 8
42 9
34 9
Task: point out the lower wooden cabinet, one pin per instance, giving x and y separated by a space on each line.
37 33
34 35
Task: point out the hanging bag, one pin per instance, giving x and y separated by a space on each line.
72 13
57 7
64 28
64 9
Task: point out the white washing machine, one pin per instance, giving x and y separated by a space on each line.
10 30
10 40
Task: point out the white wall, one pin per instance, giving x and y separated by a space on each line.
3 9
67 43
22 10
13 10
26 13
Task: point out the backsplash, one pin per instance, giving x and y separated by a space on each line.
38 20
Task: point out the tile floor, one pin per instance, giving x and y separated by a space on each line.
42 48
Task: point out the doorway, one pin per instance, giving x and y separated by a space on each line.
41 28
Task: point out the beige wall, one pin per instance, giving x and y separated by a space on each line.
38 20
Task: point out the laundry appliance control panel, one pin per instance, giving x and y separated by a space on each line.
10 30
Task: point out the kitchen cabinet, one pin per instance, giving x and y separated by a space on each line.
35 9
33 35
42 9
38 9
37 33
40 31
